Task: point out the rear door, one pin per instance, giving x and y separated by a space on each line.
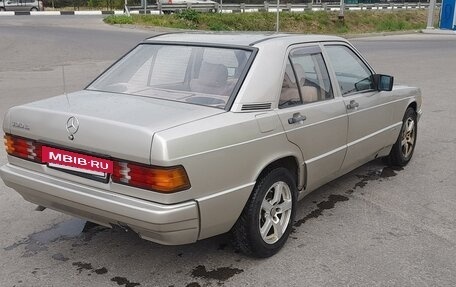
23 5
312 117
369 112
11 5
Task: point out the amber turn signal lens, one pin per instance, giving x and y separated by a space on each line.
9 144
161 179
22 147
168 180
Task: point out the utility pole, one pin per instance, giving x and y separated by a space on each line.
342 10
277 18
430 18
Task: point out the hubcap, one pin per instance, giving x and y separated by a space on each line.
408 137
275 212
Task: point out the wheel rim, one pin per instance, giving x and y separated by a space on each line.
275 212
408 137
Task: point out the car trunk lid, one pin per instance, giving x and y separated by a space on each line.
108 125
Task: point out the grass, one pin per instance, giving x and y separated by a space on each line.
308 22
119 19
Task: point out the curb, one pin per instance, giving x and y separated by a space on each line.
346 36
438 31
58 13
380 34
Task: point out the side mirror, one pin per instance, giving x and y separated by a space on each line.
383 82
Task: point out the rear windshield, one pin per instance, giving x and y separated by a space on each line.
193 74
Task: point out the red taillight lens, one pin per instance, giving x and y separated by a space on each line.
166 180
23 148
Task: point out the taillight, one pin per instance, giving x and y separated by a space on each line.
161 179
23 148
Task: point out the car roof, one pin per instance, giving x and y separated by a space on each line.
239 38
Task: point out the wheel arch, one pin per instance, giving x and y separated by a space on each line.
413 105
400 110
212 205
291 163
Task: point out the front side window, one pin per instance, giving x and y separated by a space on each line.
351 72
193 74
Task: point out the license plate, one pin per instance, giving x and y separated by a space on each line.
76 162
75 169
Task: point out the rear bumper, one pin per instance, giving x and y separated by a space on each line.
166 224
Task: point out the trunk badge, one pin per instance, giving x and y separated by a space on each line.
72 127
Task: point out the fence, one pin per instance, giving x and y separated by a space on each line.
271 7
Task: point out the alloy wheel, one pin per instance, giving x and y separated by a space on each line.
275 212
408 137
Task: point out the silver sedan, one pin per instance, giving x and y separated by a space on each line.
190 135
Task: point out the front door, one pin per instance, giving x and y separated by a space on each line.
369 111
11 5
312 117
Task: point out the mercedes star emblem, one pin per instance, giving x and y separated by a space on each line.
72 126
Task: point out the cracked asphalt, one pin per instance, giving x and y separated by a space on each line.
375 226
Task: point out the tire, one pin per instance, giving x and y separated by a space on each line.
2 9
402 150
34 9
271 206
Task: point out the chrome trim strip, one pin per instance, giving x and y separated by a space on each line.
225 191
399 124
317 123
229 146
361 109
326 154
418 115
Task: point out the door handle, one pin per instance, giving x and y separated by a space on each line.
297 118
353 104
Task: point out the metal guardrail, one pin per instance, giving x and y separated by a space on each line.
271 7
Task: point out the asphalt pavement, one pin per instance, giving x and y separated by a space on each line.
373 227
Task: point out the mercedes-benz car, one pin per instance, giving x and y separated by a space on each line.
21 5
191 135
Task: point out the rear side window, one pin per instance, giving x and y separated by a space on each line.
306 78
290 94
351 72
312 74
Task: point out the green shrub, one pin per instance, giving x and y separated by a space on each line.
217 26
118 19
93 3
341 27
189 15
307 22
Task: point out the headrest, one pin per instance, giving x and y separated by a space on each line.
213 74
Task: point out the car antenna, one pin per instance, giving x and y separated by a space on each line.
64 88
